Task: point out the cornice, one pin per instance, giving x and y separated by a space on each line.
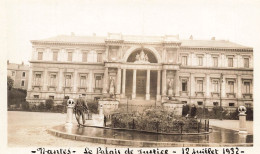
217 49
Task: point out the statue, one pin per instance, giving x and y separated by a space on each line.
111 88
141 57
170 84
170 87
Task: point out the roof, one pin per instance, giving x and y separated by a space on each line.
150 39
13 66
212 43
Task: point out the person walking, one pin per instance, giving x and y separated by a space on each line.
193 111
81 108
185 109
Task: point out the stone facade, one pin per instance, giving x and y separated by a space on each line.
145 69
19 73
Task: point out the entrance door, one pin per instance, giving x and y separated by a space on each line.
140 84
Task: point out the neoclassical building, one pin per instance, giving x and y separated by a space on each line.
146 70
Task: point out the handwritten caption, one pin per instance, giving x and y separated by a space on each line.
106 150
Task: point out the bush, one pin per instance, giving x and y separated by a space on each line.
41 107
154 119
25 106
93 106
49 104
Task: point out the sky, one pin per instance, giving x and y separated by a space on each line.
233 20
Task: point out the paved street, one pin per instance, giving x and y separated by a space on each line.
29 129
231 124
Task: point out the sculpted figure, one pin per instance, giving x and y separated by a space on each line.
112 87
137 57
170 84
142 55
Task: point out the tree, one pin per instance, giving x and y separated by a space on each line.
10 83
49 104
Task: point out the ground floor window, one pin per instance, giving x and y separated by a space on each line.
231 104
51 97
200 103
35 96
215 103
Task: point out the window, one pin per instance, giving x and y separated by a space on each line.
215 103
55 55
53 80
231 104
200 103
84 57
82 81
199 85
51 97
99 57
40 55
215 61
67 80
247 87
38 79
23 74
22 83
35 96
13 73
183 102
98 83
69 56
184 85
184 60
230 62
246 62
200 60
231 86
215 85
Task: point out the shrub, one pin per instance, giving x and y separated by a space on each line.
41 107
49 104
25 106
93 106
154 119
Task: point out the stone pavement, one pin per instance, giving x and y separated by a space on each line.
30 129
231 124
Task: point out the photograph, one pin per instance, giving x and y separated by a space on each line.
149 76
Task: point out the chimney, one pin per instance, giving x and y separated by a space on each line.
72 34
191 37
7 62
213 38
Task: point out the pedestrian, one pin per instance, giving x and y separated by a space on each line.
185 109
81 108
193 111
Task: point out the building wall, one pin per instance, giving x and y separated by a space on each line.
19 73
98 55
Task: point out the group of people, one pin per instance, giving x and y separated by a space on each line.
187 111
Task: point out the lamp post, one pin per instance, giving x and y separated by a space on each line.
220 96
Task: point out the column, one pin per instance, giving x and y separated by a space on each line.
123 84
134 85
164 83
30 79
90 87
177 83
158 96
207 85
239 87
223 87
60 81
45 80
118 86
147 95
75 82
105 81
